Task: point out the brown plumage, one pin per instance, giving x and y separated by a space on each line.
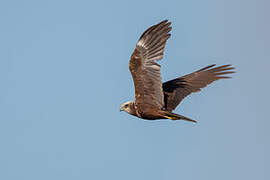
154 100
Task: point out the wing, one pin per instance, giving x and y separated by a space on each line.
145 71
177 89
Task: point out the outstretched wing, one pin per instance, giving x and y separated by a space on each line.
177 89
145 71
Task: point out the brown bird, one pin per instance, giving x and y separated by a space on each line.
154 99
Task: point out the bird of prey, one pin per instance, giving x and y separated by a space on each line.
154 99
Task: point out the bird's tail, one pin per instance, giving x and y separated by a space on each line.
173 116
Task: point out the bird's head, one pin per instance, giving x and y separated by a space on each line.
127 107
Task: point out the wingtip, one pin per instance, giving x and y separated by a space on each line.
166 21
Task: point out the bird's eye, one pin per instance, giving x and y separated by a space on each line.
126 105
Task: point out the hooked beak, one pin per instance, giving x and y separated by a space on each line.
121 109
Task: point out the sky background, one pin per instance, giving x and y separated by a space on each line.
64 74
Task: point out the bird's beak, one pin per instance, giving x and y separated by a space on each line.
121 109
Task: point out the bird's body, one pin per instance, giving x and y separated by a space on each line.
154 100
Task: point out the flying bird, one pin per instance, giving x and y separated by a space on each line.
154 99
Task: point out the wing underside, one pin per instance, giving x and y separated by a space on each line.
177 89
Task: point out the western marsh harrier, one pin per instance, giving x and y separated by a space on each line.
157 100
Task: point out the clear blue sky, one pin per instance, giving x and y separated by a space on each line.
64 74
